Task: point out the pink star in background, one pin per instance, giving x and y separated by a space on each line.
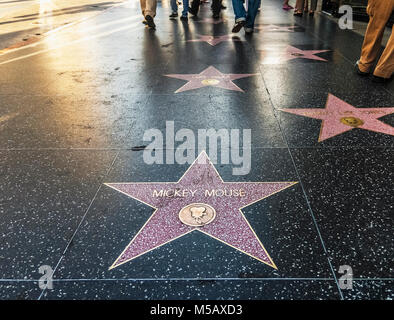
290 53
339 117
209 77
274 28
229 225
214 40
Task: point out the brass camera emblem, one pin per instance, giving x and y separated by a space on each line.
197 214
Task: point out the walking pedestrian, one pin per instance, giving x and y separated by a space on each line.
174 8
379 13
245 19
194 7
216 7
286 5
302 5
148 8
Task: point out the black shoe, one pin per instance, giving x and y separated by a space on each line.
311 13
174 15
359 72
149 21
223 7
144 22
216 15
184 18
298 14
377 79
238 26
249 31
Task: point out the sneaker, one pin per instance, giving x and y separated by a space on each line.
174 15
184 18
149 21
248 30
238 26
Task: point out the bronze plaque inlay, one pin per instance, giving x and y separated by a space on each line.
197 214
210 82
352 121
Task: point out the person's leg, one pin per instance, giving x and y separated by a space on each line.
193 9
385 66
286 5
299 8
143 6
240 15
313 5
379 13
239 10
185 8
252 12
174 6
150 8
216 6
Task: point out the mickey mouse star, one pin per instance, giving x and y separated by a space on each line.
221 213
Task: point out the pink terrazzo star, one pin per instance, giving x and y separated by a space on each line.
339 117
275 28
214 40
272 56
209 77
229 226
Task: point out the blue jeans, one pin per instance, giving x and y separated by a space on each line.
241 14
174 6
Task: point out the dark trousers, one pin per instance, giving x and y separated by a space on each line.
216 6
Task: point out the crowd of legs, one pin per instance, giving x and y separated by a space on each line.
379 12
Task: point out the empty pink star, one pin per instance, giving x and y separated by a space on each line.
214 40
198 185
209 77
290 53
275 28
339 117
